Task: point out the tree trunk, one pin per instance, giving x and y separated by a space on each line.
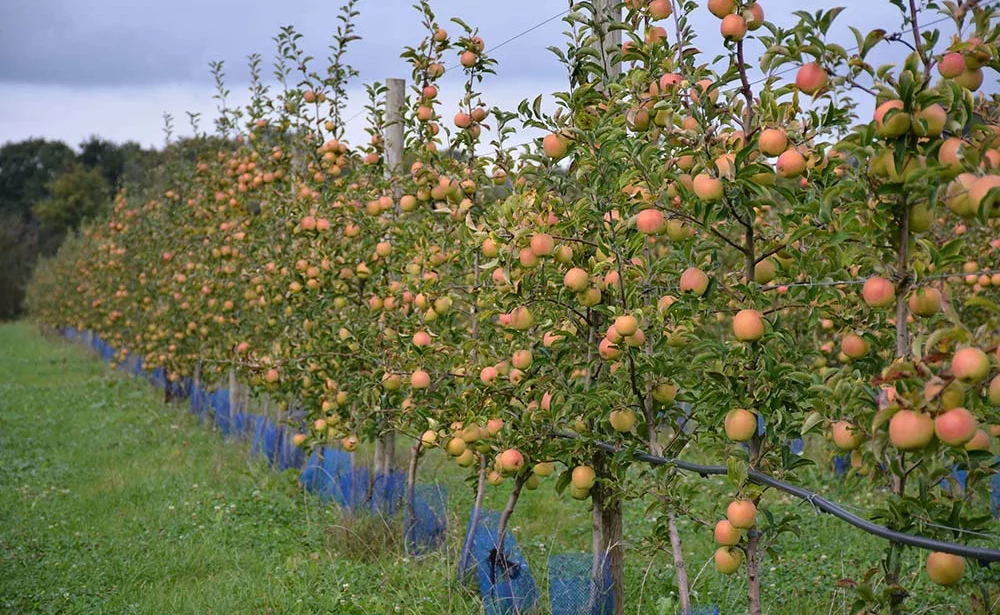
608 536
411 487
676 548
385 448
463 560
683 590
753 571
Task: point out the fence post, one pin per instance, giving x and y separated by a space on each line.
605 13
385 443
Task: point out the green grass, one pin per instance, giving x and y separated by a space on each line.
112 502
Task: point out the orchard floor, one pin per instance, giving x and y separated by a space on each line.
113 502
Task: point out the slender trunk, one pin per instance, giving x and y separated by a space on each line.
893 564
903 273
683 590
753 571
676 548
411 493
234 396
608 536
463 560
385 446
597 585
509 510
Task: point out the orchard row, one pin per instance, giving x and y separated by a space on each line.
685 264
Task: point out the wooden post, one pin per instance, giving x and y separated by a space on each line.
607 12
385 444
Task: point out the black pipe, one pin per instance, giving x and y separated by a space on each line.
818 501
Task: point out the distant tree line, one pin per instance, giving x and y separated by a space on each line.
47 191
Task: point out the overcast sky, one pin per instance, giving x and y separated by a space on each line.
71 68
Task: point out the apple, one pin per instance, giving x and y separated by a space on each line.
649 221
970 365
994 390
455 446
742 514
521 318
854 346
754 15
466 458
790 164
925 302
707 188
740 425
748 325
878 292
764 271
929 121
488 375
846 436
493 426
349 443
944 568
721 8
727 535
970 79
951 65
576 279
608 350
421 338
563 255
772 141
583 477
733 27
980 188
511 461
429 437
728 559
664 392
979 442
542 244
555 146
544 468
949 154
420 379
299 439
626 325
694 281
522 359
811 78
898 122
659 9
910 430
955 427
622 420
957 195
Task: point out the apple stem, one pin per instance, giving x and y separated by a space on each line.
463 560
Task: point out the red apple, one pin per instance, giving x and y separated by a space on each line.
909 430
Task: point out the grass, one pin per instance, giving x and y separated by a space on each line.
112 502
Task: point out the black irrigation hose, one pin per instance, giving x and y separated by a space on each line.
818 501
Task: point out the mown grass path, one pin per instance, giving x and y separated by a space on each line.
112 502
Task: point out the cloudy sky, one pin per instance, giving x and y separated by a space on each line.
72 68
